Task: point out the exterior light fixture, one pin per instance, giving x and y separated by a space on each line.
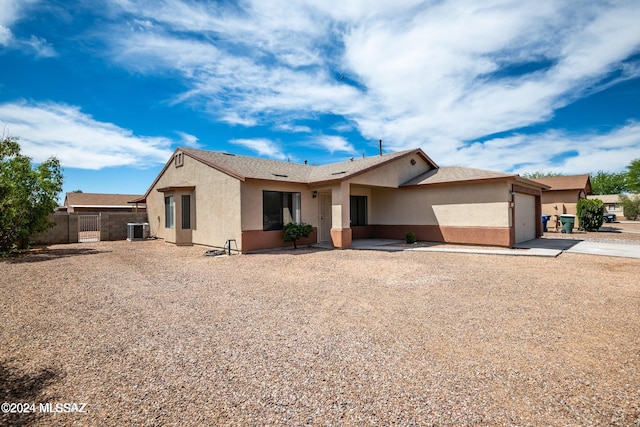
314 194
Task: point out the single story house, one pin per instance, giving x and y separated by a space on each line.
98 202
206 197
611 203
562 195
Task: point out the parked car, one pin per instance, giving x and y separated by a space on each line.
609 217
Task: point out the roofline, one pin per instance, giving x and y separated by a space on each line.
417 151
515 177
213 165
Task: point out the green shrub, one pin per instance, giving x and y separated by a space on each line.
590 214
293 232
410 237
631 206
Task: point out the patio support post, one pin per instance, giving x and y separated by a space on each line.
340 215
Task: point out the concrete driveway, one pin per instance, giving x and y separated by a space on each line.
544 247
591 247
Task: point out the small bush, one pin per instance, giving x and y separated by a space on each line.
410 237
590 214
631 206
293 232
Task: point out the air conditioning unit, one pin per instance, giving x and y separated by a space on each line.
137 231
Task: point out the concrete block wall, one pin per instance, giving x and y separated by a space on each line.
113 226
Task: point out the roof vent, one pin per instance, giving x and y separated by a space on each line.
280 175
339 173
229 154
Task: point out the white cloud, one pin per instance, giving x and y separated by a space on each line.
40 46
11 11
611 151
77 139
334 143
188 140
430 74
262 146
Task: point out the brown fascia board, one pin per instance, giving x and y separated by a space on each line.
418 151
176 187
462 181
527 181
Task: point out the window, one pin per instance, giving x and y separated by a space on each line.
279 208
186 212
169 212
358 210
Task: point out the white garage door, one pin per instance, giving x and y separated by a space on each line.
525 217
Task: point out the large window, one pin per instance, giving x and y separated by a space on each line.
169 212
279 208
358 210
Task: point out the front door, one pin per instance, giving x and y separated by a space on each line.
325 217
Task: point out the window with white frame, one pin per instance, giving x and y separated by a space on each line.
169 212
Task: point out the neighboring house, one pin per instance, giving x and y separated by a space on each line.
611 203
562 195
206 197
96 202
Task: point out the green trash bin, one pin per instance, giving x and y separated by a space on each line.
567 223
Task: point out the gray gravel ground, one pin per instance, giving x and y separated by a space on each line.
150 334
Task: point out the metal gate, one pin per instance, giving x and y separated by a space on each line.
88 228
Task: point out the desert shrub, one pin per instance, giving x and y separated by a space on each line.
590 214
293 232
631 206
410 237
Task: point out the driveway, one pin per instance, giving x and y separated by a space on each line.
591 247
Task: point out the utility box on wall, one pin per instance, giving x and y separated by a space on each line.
137 231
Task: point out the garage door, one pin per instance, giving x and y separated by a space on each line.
525 211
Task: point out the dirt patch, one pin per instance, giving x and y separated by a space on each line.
148 333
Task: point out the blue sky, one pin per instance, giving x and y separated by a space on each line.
112 87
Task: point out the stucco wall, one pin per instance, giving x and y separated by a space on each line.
473 205
394 173
251 202
215 204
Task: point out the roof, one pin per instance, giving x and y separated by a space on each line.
568 182
454 174
99 200
245 167
608 198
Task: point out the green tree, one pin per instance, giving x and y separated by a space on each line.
28 195
630 206
540 174
293 232
608 182
633 176
590 214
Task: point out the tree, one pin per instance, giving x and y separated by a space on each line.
540 174
293 232
633 176
608 182
630 206
590 214
28 195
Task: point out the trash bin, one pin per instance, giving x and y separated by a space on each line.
545 219
567 223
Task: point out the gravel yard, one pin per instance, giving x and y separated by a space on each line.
151 334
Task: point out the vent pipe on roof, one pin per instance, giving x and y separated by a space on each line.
381 147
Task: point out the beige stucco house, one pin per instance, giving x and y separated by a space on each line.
562 195
206 197
612 203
